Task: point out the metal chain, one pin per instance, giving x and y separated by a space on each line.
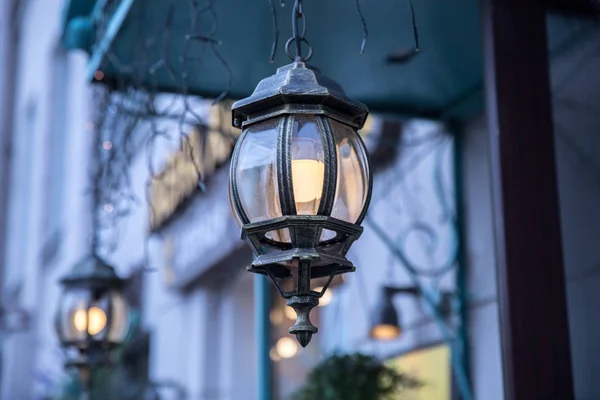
298 36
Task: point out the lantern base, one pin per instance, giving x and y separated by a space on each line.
305 257
305 244
97 354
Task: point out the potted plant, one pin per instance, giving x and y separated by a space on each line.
354 377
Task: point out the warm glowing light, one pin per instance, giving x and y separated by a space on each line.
107 145
385 332
286 347
98 75
97 320
108 208
307 179
326 298
274 355
290 313
276 316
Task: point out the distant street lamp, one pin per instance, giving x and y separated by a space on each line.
300 181
386 325
92 316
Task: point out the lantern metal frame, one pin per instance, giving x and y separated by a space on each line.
296 90
96 276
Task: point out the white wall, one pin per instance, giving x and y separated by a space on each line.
30 358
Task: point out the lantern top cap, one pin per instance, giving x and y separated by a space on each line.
299 84
92 271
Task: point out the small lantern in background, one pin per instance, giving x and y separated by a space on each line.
386 324
92 316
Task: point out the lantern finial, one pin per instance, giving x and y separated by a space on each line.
303 328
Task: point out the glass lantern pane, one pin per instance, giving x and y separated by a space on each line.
256 172
99 318
119 318
72 316
352 174
308 165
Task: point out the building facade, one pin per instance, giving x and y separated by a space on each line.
432 197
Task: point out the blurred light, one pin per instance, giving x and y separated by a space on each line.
274 355
89 125
98 75
326 298
290 313
108 208
276 316
107 145
385 332
286 347
96 323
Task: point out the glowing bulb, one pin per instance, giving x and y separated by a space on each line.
98 75
107 145
385 332
108 208
290 313
97 320
286 347
326 298
307 179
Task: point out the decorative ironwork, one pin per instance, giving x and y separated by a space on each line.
422 237
291 242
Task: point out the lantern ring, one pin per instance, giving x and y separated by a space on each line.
288 51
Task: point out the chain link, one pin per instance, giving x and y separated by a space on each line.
298 35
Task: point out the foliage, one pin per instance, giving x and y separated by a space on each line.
354 377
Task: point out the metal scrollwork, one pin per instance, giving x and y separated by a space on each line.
417 243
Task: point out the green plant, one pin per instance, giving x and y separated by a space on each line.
354 377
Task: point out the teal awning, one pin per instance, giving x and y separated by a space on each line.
443 81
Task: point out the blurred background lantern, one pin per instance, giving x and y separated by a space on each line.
92 317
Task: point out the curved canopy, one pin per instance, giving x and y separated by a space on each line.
444 80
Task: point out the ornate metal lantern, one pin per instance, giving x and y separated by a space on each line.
300 182
92 316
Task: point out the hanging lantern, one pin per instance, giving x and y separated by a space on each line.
300 182
92 316
386 323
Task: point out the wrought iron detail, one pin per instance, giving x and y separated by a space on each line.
294 94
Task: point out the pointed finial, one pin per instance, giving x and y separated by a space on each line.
304 337
303 328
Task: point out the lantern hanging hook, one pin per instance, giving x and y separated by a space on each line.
298 35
